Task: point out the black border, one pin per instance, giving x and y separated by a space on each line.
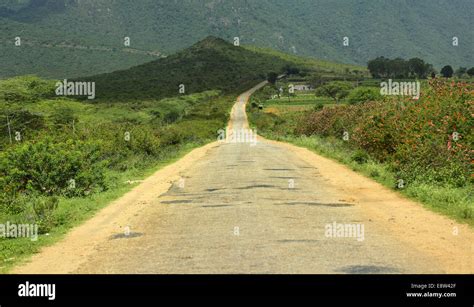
126 289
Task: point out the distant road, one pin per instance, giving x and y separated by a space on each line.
237 208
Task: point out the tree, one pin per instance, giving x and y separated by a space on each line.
291 70
460 72
447 71
378 67
315 80
470 71
398 68
272 77
336 90
417 67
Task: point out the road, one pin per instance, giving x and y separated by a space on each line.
264 208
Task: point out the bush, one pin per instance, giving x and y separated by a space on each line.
71 168
360 156
414 136
363 94
44 213
63 116
26 89
22 121
336 90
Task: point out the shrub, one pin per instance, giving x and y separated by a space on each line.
71 168
363 94
26 89
360 156
415 136
63 116
336 90
44 211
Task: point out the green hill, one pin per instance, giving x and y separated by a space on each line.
87 35
211 64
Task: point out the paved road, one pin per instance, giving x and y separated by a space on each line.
255 209
267 208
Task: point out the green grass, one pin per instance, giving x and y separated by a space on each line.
75 211
139 111
299 99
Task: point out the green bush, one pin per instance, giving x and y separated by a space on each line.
360 156
26 89
336 90
44 213
363 94
63 116
71 168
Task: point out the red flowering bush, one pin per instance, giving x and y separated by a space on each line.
429 139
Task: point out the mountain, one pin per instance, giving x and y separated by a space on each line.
211 63
73 37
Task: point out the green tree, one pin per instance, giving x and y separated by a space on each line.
315 80
447 71
461 71
470 71
398 68
291 70
336 90
417 67
378 67
272 77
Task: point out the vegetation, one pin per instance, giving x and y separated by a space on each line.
447 71
60 37
363 94
210 64
382 67
470 71
337 90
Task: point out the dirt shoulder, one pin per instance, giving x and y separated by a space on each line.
451 243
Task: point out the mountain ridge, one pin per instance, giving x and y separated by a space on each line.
313 28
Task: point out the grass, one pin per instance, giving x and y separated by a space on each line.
139 111
300 99
75 211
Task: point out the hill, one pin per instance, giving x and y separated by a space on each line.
86 34
211 64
